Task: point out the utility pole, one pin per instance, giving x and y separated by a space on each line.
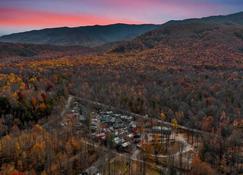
144 164
129 166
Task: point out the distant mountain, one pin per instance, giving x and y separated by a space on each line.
217 39
187 29
236 18
88 36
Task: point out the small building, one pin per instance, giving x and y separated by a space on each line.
166 130
117 141
126 147
163 130
92 171
82 118
238 123
117 115
109 112
137 138
130 136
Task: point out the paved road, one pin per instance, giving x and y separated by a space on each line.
135 154
134 157
94 103
67 106
102 161
56 120
95 167
185 148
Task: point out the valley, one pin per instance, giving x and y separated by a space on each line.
165 101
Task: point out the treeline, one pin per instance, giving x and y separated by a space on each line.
197 100
206 99
27 98
38 151
209 100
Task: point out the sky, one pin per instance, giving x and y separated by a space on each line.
23 15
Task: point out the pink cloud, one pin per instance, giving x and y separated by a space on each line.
33 18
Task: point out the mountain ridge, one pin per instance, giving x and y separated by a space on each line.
196 28
206 41
87 36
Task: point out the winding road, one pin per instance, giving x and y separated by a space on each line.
103 159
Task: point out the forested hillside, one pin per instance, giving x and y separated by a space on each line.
88 36
190 71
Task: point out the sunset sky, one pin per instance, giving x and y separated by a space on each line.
22 15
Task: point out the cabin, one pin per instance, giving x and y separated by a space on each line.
125 147
137 138
238 123
161 129
92 171
117 141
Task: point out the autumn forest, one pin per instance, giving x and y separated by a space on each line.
185 75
